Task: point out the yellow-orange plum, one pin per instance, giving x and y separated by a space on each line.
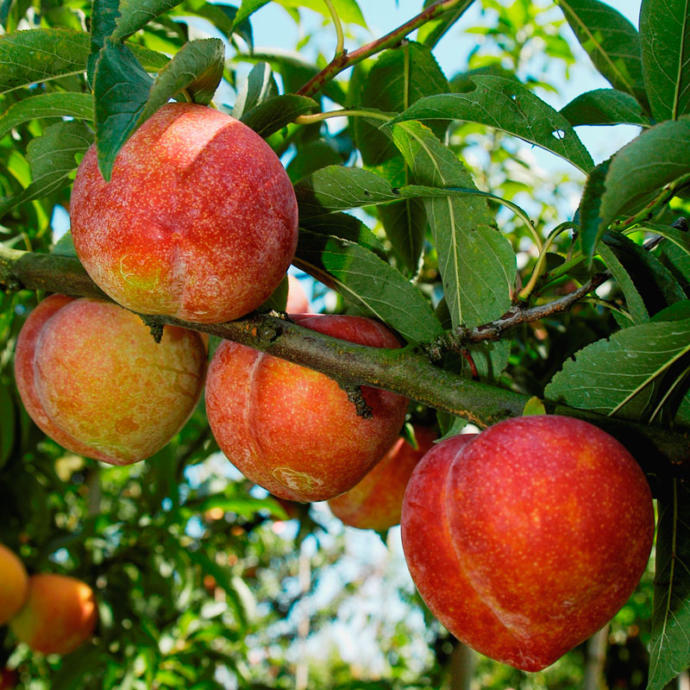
92 377
375 502
528 538
198 221
293 430
59 615
14 584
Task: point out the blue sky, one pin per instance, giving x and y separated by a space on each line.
272 27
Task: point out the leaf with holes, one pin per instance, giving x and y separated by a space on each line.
611 42
665 34
669 648
506 105
476 262
616 376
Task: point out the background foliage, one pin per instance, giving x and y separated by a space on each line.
424 208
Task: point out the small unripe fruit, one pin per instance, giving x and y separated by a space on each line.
198 221
293 430
376 500
59 615
14 584
92 378
527 539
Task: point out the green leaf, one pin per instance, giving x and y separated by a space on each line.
398 78
346 226
197 67
7 423
604 107
247 8
224 580
654 282
104 16
244 506
641 168
369 282
277 301
337 188
590 224
476 262
674 253
121 90
433 31
669 648
77 105
608 375
611 41
534 406
347 10
259 86
665 34
52 158
277 112
37 55
126 96
404 221
508 106
296 71
311 157
136 14
633 300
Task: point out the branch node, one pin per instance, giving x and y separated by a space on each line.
155 326
356 397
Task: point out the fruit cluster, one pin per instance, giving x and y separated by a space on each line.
52 614
522 540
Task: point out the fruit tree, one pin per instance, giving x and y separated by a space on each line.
503 365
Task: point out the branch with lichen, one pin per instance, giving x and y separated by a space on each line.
408 371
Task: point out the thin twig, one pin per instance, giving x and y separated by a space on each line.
519 315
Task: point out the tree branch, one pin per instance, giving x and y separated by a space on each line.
407 371
343 60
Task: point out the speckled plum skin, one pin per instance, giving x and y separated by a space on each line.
198 221
293 430
59 615
14 584
375 502
528 538
92 378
